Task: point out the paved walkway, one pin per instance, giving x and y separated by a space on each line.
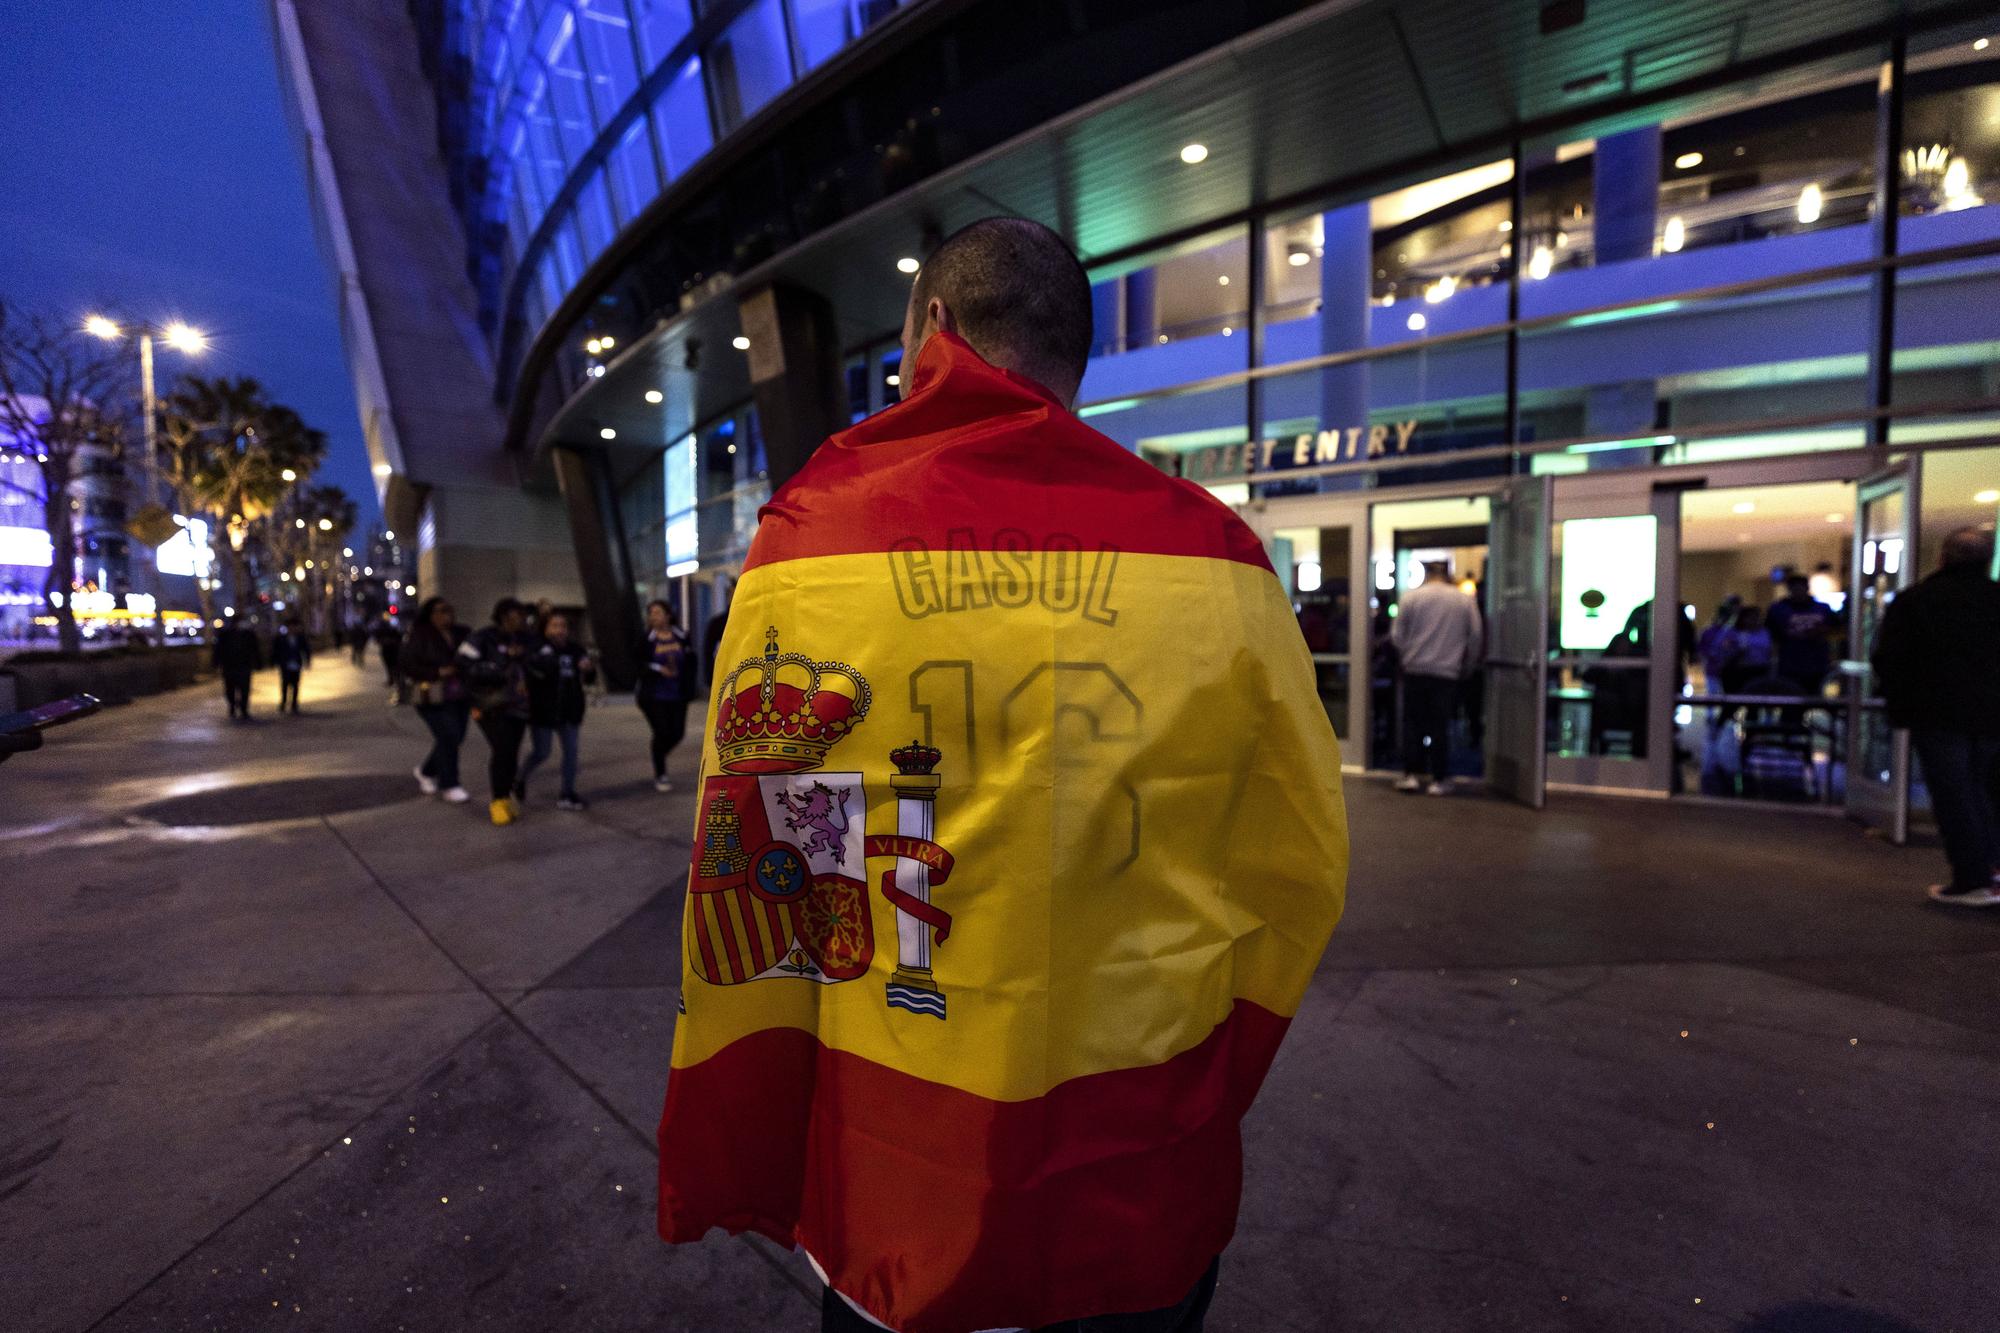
282 1045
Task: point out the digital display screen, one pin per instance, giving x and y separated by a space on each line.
1607 574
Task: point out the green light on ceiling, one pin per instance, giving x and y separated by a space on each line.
1629 312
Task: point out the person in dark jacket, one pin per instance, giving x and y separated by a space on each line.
1937 663
496 661
666 683
357 641
236 654
431 663
389 642
559 676
1802 629
291 654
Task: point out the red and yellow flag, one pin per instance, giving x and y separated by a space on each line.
1019 838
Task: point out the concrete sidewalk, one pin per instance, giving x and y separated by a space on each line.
285 1043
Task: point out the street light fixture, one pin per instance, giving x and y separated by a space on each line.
178 335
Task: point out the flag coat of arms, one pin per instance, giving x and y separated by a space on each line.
1019 837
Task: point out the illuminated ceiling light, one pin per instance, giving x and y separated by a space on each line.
1194 153
388 536
1958 186
1416 322
606 343
732 448
1688 161
1562 240
593 346
1744 507
298 522
1812 202
740 343
1541 262
347 551
1982 44
655 396
97 326
1674 236
893 381
1506 224
1986 498
383 469
1441 290
907 265
607 434
1163 339
1836 518
184 338
597 372
1298 259
1228 332
1222 281
326 525
289 475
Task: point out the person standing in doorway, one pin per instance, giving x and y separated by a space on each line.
666 683
1437 636
236 654
1937 662
291 653
1802 629
357 641
559 676
497 669
432 664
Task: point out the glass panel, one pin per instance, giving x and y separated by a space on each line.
1201 436
568 256
1316 565
1195 295
749 64
634 181
593 211
1884 568
824 26
1951 156
568 97
544 146
681 116
1407 539
606 35
662 24
1602 650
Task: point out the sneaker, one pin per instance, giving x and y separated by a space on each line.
661 784
456 795
571 803
1982 895
1410 782
514 806
1438 789
425 782
502 812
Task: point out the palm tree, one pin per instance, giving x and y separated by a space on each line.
226 450
302 537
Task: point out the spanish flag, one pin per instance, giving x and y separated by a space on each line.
1019 837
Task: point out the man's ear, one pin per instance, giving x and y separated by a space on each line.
940 317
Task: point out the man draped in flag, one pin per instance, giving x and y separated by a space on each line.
1019 838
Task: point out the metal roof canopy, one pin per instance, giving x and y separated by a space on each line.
1340 102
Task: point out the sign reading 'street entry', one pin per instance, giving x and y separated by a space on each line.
1254 458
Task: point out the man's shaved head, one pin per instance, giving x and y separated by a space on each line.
1014 290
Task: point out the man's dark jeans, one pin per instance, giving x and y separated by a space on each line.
1959 769
1428 703
1185 1316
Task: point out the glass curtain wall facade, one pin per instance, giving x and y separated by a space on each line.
1715 282
564 119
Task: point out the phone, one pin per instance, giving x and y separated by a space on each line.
50 714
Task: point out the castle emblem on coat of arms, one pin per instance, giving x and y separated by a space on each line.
779 886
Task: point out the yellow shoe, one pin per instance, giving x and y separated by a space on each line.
503 812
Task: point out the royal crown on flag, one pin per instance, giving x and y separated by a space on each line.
914 758
782 712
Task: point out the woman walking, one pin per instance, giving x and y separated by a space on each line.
666 683
559 674
431 661
497 655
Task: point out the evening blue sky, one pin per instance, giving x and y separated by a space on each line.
148 169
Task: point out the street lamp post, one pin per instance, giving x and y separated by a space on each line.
183 338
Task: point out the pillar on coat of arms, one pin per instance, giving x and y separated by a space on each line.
912 986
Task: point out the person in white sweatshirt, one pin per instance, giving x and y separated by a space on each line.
1438 638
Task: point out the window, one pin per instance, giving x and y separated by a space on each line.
681 117
824 26
1198 290
569 100
593 212
606 36
662 24
633 179
749 66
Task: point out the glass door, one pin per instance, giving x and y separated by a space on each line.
1316 551
1885 549
1517 638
